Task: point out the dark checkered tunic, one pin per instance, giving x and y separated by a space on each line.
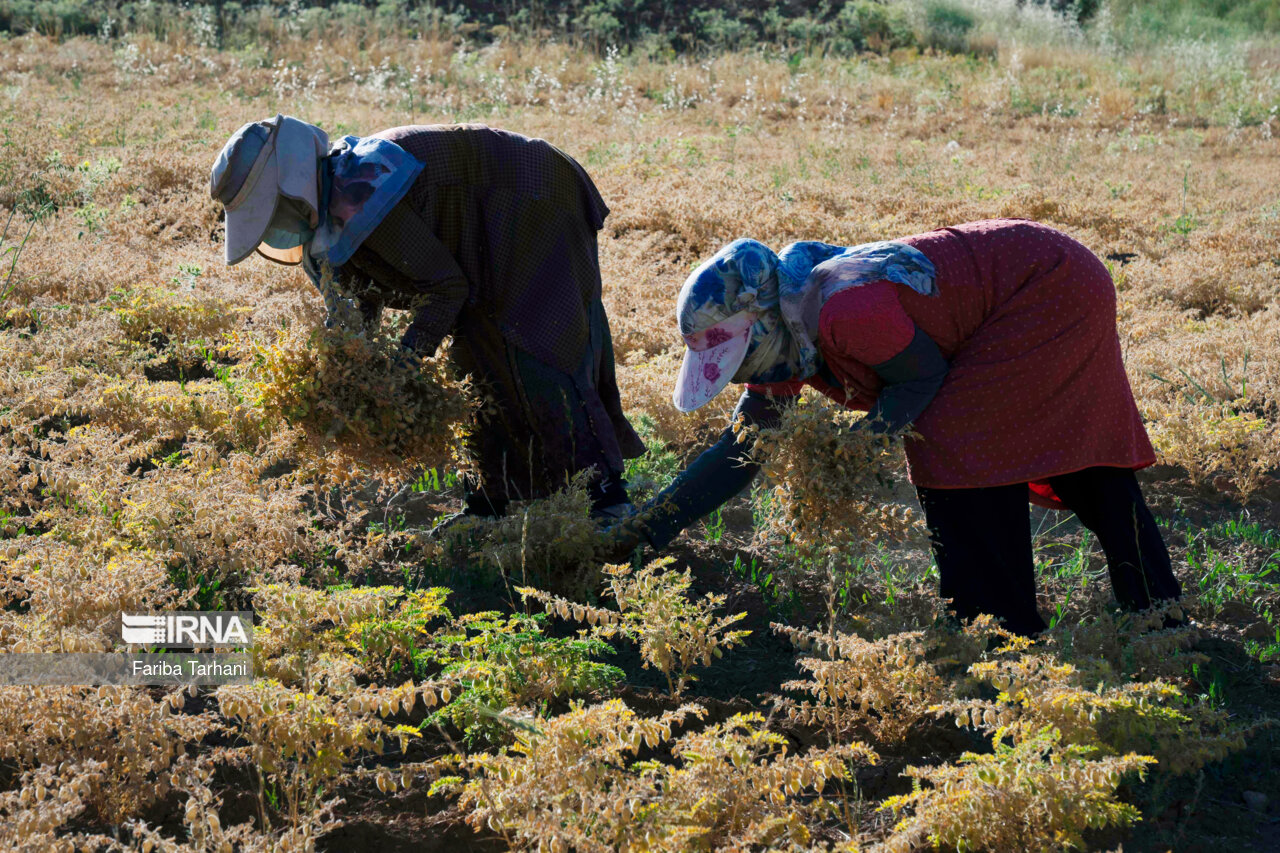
495 243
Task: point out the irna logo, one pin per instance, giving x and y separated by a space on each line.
187 629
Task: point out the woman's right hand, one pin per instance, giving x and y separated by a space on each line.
618 542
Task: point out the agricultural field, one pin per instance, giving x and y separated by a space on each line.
178 434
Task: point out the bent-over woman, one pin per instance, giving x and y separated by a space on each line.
995 341
485 235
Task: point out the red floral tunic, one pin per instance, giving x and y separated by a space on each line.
1026 316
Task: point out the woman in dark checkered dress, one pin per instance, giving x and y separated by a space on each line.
484 235
495 244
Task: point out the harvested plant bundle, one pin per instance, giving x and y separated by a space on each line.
832 482
551 535
362 394
550 541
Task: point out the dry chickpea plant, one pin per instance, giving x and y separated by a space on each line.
178 434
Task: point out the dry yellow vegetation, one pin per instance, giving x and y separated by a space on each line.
177 433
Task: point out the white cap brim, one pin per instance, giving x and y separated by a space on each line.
704 374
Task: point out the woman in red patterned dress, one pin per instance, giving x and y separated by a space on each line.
995 341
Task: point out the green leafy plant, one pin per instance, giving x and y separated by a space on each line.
506 665
674 632
1040 794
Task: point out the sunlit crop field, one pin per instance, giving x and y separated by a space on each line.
163 446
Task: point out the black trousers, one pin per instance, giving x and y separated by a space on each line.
982 544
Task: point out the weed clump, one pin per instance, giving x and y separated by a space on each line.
572 784
1074 689
1039 794
335 636
1211 441
507 667
882 686
180 319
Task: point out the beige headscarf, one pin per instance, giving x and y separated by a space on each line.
262 162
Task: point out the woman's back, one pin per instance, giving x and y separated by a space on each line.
489 159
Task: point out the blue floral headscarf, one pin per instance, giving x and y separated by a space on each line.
787 291
364 178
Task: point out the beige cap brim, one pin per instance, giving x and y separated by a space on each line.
288 257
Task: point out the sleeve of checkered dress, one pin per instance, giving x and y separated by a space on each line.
407 255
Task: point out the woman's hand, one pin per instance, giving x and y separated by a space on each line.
618 542
722 471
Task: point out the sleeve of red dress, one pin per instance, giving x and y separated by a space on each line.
866 324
